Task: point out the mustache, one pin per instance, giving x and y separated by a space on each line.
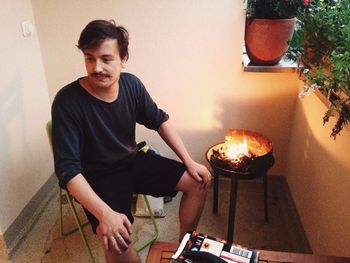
99 74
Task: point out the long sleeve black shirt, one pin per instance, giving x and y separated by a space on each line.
91 136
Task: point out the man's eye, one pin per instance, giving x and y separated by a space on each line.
107 61
89 59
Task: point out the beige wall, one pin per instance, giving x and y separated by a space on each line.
188 54
318 173
25 160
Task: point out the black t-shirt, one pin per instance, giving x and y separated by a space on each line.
91 136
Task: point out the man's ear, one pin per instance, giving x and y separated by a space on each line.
123 63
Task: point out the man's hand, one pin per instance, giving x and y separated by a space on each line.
200 173
114 231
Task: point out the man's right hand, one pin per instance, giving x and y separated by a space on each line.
114 231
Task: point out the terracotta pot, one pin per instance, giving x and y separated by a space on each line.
266 40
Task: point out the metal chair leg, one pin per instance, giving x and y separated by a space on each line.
80 226
77 220
63 233
155 234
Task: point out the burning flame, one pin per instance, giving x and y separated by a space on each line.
235 150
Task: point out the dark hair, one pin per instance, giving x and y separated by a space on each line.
99 30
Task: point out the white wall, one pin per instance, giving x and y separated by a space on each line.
25 159
318 173
188 54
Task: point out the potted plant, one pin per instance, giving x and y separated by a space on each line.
269 28
322 44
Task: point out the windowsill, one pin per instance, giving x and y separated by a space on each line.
284 66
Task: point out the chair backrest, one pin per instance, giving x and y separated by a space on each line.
49 133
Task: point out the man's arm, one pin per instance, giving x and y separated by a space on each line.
198 171
115 228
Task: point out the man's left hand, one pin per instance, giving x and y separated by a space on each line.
200 173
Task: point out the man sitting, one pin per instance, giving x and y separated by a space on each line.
96 158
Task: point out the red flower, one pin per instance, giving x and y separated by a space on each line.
307 2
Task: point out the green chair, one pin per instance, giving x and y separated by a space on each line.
64 196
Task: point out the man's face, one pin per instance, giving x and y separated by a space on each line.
103 64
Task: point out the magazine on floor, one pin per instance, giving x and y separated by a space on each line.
196 247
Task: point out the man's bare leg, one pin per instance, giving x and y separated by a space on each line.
192 203
129 256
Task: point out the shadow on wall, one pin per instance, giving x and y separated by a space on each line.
314 143
11 114
270 115
319 181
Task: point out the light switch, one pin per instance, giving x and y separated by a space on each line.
245 3
27 28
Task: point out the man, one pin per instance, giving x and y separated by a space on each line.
96 157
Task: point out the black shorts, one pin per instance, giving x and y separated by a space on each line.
147 174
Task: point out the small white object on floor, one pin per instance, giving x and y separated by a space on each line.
156 203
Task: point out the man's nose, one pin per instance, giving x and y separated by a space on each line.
98 66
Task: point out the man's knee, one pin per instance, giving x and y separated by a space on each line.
188 185
129 256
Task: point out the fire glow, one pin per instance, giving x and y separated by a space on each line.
234 154
243 151
234 151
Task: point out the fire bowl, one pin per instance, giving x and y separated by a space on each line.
259 147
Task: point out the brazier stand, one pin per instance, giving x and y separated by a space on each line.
259 168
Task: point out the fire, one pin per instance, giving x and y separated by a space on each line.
240 152
236 150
